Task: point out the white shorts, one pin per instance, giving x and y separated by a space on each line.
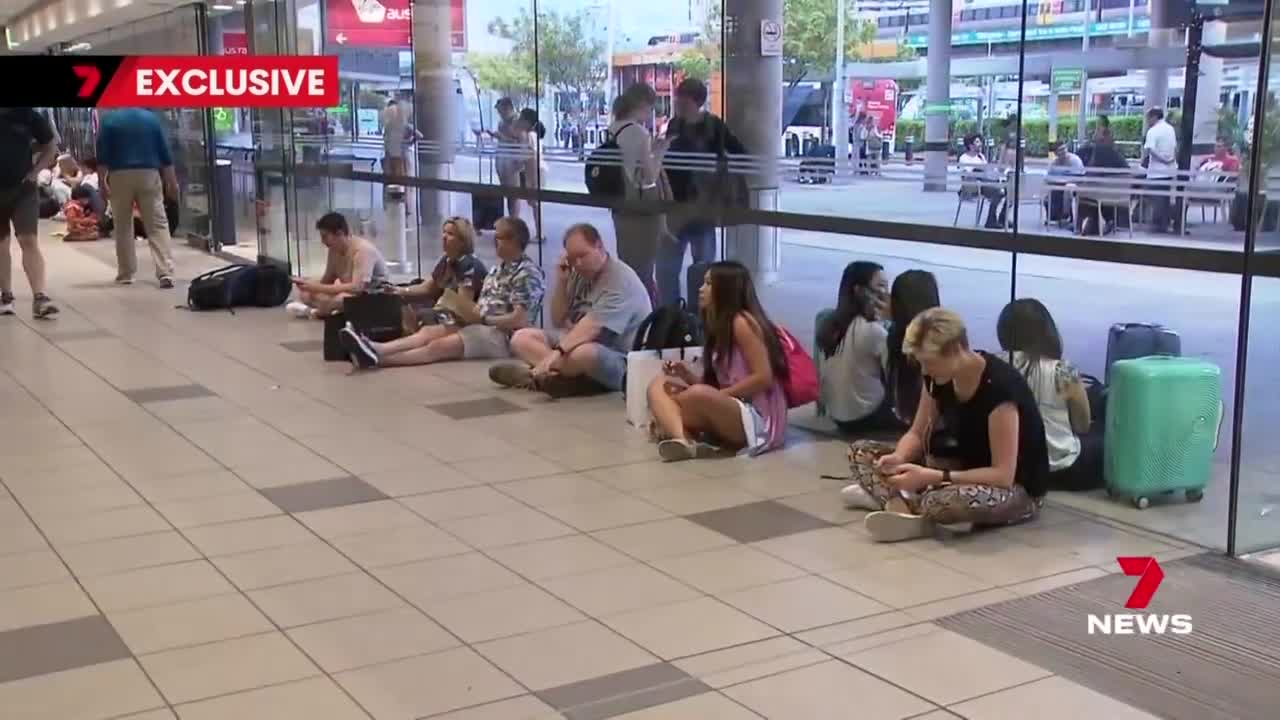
484 342
754 429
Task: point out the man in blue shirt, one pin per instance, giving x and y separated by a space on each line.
135 166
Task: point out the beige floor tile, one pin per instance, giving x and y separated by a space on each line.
356 519
350 643
1000 563
950 606
735 665
163 585
461 503
770 484
324 599
803 603
43 604
541 492
164 714
95 692
926 665
361 452
1054 582
663 538
514 465
243 505
826 691
729 568
120 522
399 545
615 590
85 501
311 699
688 628
598 454
603 514
907 581
559 656
1054 698
431 580
433 477
230 666
828 505
190 487
880 638
569 555
428 685
188 623
506 528
279 566
245 535
1090 542
707 706
17 534
107 557
36 567
525 707
269 471
642 476
829 549
500 613
697 496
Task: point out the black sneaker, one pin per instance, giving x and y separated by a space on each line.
6 304
43 307
358 349
558 386
166 283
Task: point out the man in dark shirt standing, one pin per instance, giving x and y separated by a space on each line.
24 133
136 167
694 130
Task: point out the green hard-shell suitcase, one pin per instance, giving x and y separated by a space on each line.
1163 417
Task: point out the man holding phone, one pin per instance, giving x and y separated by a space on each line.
353 265
24 133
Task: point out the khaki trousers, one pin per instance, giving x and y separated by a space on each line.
145 188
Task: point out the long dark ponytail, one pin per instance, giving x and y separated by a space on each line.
733 293
854 300
913 292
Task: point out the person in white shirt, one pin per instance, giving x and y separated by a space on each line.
853 353
1028 334
640 230
1160 157
394 126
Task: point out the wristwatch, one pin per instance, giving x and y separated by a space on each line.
946 476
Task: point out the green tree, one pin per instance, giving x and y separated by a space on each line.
505 75
694 63
809 37
566 59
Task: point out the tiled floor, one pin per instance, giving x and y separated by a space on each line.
200 519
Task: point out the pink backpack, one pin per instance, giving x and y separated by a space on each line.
801 385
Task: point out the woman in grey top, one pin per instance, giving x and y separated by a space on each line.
639 230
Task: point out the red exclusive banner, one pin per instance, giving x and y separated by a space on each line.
206 81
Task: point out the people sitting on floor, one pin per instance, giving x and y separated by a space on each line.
458 270
82 220
1028 333
510 298
998 471
353 265
597 305
738 403
913 292
853 353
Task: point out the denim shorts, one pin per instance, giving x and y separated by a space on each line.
611 364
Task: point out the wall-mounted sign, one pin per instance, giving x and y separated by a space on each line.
235 43
385 23
770 38
1066 80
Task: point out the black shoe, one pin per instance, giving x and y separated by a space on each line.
357 347
166 283
43 307
558 386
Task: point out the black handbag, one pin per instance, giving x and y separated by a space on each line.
376 315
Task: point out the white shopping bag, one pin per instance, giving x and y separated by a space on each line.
645 365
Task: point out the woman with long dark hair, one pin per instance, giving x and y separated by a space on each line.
913 292
853 352
739 403
1029 335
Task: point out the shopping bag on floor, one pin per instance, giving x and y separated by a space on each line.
645 365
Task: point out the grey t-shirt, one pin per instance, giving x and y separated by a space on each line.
617 298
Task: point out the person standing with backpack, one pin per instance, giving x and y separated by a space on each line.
639 230
24 134
697 135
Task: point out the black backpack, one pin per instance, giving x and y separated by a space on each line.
238 285
669 327
604 167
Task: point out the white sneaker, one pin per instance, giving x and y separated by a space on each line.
6 304
298 310
856 497
887 527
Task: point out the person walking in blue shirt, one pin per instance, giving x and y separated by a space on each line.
136 167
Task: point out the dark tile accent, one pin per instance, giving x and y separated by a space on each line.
468 409
303 346
165 394
758 521
321 494
42 649
620 693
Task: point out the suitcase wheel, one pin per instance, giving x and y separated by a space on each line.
1195 496
1142 503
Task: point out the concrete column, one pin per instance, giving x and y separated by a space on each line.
434 108
938 96
1053 112
1205 130
753 111
1160 35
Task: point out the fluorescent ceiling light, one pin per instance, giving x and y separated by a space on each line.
222 7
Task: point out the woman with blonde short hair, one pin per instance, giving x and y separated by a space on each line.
998 469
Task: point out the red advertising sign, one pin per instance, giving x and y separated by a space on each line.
385 23
235 43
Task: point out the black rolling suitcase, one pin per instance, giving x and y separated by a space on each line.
486 209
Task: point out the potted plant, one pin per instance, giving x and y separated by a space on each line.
1266 211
